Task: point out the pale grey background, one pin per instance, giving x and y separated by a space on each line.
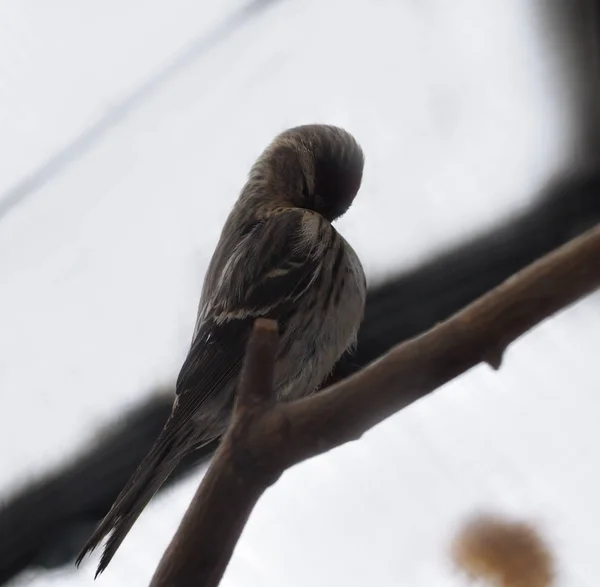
124 138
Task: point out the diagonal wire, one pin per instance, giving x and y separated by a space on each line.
56 164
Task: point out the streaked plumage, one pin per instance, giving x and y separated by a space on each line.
279 257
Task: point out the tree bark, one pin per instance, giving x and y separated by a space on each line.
266 437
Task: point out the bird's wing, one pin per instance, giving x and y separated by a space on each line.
275 263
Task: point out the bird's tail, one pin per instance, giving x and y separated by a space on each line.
153 471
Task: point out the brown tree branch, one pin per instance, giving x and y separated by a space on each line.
265 437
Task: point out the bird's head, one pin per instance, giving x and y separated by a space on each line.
315 166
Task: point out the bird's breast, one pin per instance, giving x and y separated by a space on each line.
325 323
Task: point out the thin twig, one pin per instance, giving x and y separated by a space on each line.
265 437
231 482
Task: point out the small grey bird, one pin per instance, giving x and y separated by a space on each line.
278 257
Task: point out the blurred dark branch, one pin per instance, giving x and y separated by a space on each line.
266 437
46 522
573 29
415 300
